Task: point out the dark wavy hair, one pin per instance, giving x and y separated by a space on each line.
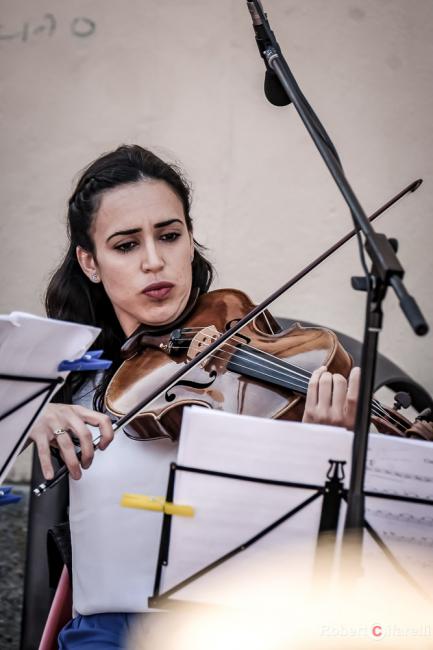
70 294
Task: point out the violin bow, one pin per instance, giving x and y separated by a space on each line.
232 331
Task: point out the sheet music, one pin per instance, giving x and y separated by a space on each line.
32 346
403 467
229 512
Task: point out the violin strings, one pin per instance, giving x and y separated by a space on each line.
305 374
284 374
376 407
387 416
285 370
286 367
380 410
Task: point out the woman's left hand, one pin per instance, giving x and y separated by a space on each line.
332 399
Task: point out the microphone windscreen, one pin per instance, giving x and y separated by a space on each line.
274 91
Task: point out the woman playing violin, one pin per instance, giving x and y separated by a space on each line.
132 260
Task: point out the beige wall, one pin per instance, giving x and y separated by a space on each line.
184 78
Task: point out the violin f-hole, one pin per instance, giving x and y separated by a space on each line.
192 384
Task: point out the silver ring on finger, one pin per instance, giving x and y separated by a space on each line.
60 431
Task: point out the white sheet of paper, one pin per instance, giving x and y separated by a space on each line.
32 346
229 512
402 467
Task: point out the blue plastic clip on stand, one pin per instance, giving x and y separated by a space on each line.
6 495
90 361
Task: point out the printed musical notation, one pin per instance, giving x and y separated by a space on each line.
406 517
374 466
79 27
402 475
403 492
426 542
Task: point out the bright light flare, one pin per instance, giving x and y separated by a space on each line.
377 608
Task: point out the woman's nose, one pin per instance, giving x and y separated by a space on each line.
152 260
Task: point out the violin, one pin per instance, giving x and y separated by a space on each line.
261 371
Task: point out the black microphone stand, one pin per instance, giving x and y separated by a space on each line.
386 270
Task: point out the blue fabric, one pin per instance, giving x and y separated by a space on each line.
96 631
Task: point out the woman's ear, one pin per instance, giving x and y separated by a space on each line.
87 263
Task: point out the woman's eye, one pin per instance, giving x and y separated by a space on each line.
125 247
170 236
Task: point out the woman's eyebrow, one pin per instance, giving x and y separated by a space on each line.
162 224
131 231
134 231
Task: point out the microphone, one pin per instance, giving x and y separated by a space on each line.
274 91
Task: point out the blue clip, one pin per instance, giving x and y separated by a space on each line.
6 495
90 361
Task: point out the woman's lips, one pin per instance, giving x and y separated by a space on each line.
158 290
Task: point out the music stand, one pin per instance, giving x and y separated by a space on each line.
49 386
39 345
333 492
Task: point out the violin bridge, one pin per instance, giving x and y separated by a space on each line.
201 341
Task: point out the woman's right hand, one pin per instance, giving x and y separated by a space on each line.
69 420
